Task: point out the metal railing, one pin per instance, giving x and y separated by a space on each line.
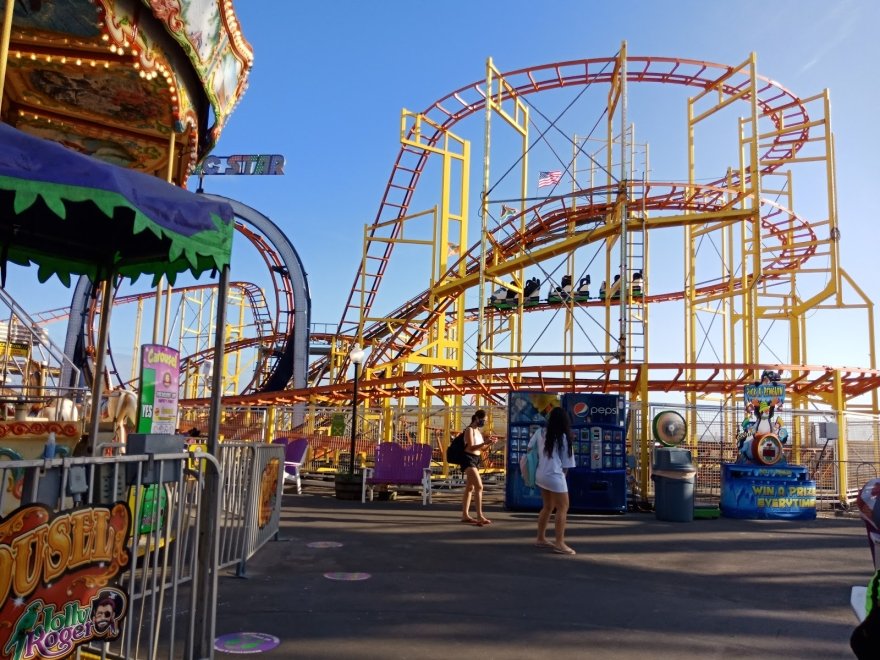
251 499
156 509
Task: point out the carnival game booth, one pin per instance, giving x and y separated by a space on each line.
761 484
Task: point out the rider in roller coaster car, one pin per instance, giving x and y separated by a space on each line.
503 297
562 292
615 288
583 291
636 284
532 292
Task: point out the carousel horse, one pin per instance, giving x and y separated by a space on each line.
120 406
58 409
62 410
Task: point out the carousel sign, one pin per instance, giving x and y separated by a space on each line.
239 164
57 578
160 372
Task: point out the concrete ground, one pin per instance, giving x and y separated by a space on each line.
638 587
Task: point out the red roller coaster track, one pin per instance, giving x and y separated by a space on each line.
776 102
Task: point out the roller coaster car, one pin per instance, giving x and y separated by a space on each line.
532 292
615 288
503 298
636 286
583 291
602 291
562 292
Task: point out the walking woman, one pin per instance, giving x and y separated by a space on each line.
474 446
554 459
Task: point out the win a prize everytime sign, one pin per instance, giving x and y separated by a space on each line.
160 374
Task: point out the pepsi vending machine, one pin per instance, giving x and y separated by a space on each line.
526 413
598 482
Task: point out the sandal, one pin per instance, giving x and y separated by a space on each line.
484 521
544 544
470 521
563 550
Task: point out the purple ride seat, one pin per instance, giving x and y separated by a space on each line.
401 466
294 455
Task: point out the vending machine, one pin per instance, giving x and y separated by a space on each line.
598 482
526 413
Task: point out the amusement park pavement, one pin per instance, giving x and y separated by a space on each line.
638 587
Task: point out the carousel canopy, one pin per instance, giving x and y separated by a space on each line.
71 214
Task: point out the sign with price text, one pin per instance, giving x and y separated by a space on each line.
157 403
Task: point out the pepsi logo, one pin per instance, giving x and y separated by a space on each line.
580 409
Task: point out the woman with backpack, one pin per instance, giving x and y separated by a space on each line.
554 458
474 446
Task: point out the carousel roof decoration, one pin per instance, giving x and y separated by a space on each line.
114 78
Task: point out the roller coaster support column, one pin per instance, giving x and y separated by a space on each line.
445 345
387 413
208 559
271 421
644 447
624 176
484 220
107 290
842 452
498 90
424 415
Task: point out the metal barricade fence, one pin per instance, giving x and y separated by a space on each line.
251 500
154 503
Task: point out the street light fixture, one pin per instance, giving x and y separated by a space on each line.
356 356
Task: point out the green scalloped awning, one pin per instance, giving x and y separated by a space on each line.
72 215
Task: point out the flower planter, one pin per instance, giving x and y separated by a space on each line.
348 486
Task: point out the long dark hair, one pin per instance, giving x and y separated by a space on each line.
557 429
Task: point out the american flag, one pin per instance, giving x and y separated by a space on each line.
549 178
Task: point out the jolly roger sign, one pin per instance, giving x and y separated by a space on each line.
58 575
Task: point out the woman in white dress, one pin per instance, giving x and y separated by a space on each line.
554 458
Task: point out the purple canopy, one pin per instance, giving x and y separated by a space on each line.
72 214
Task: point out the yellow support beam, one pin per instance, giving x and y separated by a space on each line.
604 232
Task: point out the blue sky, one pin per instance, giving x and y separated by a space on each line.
330 79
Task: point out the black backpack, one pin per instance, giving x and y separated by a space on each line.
455 450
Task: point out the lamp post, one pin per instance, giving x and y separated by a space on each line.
356 356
